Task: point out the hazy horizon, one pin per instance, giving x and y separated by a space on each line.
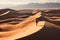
10 3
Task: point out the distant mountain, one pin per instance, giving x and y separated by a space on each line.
38 5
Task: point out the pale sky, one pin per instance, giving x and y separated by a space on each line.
10 3
15 2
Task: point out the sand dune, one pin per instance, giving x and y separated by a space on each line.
27 19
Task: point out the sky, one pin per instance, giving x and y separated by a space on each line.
11 3
16 2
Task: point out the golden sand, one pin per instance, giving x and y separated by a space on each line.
29 29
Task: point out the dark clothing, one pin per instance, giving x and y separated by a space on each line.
44 34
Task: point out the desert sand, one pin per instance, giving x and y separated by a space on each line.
47 18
